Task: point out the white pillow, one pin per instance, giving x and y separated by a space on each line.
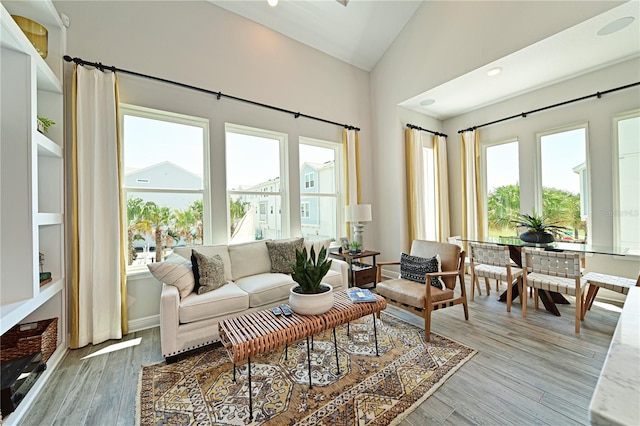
176 272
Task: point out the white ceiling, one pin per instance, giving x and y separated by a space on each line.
358 33
361 32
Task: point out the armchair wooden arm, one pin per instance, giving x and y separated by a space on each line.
379 266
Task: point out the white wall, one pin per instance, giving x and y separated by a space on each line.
202 45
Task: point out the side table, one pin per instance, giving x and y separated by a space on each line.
360 273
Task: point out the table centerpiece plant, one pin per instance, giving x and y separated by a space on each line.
310 296
539 229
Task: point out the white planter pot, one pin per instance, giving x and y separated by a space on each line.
311 304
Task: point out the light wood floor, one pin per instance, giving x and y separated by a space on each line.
527 371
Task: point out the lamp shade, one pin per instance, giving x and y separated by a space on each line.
358 213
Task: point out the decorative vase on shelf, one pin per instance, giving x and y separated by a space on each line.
36 33
311 296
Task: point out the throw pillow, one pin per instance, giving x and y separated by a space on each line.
282 253
176 273
414 268
210 272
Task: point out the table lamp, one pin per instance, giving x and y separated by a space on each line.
355 214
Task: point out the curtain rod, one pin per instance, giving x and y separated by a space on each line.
413 126
218 95
525 114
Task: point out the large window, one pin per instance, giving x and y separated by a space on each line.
164 181
256 184
320 203
500 180
626 215
564 181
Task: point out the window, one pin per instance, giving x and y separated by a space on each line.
320 200
305 211
500 181
164 181
626 215
308 181
563 190
256 179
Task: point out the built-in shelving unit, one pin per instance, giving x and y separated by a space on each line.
32 215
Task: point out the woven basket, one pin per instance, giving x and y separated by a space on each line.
43 338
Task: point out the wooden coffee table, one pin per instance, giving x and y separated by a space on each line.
259 332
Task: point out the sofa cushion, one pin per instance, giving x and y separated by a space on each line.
225 300
266 288
249 259
210 272
283 253
176 272
414 268
411 293
334 278
221 250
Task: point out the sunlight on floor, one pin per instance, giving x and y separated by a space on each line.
607 306
115 347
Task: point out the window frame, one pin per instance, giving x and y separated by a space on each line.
537 195
484 181
338 195
125 109
615 154
283 192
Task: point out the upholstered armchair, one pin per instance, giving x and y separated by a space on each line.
407 293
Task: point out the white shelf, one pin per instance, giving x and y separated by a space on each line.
13 313
47 147
50 219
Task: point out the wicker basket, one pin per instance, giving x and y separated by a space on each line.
41 338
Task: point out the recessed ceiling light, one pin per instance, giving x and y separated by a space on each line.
494 71
427 102
272 3
615 26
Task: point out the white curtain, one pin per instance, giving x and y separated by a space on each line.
416 214
97 261
471 205
442 187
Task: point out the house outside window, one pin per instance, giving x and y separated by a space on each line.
626 213
500 181
309 181
165 182
321 201
256 182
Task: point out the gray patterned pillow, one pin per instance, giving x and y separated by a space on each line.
282 253
210 272
414 268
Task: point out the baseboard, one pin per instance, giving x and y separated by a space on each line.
144 323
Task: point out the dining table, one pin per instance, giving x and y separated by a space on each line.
548 298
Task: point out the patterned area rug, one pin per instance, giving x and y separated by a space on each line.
365 390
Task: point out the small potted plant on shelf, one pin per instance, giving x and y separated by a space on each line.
311 296
355 247
539 229
44 124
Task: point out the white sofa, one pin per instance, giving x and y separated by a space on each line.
191 321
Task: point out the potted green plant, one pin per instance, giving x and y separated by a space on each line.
355 247
44 124
539 230
310 296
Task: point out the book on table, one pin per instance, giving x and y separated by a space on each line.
361 295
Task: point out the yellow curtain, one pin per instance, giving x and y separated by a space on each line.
351 149
91 314
412 222
473 217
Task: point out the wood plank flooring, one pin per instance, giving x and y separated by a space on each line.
532 371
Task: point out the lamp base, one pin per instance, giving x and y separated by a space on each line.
357 233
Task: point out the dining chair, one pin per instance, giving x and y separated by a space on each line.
457 240
414 289
610 282
553 271
492 261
